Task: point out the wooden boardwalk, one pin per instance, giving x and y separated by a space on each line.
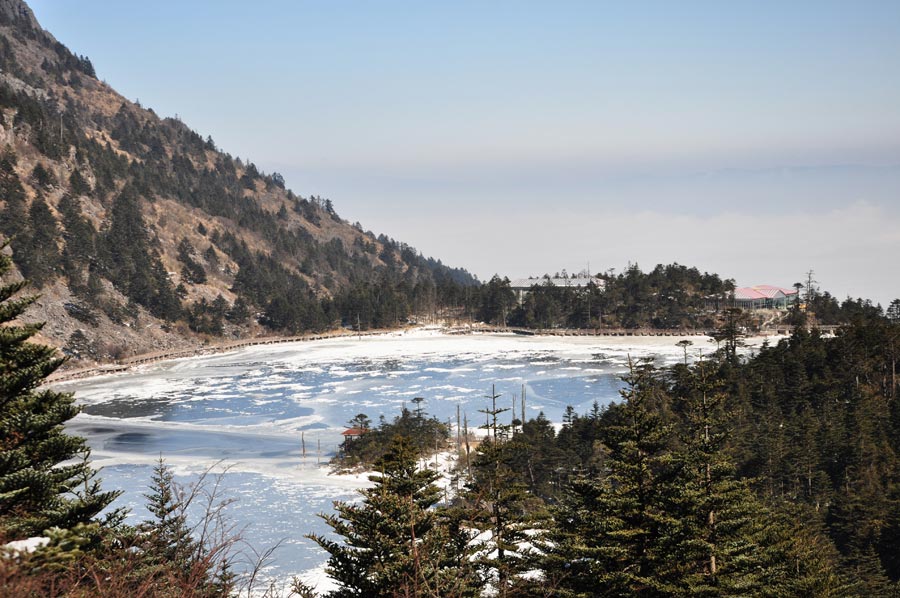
781 330
126 363
483 329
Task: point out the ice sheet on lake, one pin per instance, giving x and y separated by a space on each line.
258 409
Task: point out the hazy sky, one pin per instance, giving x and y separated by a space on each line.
754 139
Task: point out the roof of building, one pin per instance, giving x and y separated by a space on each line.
762 291
578 281
770 291
747 293
354 432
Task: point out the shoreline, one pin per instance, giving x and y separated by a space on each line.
127 364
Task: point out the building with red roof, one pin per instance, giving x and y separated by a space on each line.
352 433
764 296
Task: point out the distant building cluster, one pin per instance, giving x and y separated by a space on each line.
764 296
521 286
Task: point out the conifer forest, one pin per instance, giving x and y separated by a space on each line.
177 325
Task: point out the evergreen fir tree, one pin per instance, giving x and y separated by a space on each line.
730 334
239 312
40 486
169 541
812 565
178 557
77 184
191 271
41 177
41 259
132 263
726 544
499 505
612 531
14 221
14 215
80 242
534 453
395 544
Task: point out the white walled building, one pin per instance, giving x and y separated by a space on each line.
764 296
521 286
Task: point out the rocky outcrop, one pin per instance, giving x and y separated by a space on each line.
18 14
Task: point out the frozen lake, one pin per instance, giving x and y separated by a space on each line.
248 408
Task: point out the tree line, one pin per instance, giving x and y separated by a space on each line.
769 475
668 297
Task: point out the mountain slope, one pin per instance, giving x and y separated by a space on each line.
140 234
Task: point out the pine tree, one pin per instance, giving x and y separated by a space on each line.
132 263
169 536
80 242
77 184
40 486
812 565
499 504
726 544
14 215
395 544
178 556
42 257
730 333
612 531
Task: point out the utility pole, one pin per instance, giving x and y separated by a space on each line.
456 477
589 293
523 407
457 430
466 437
303 444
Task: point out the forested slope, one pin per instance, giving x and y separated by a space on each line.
141 233
769 474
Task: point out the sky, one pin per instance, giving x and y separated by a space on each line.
758 140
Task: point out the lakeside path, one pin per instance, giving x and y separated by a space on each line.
128 363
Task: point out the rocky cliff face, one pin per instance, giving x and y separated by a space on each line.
141 235
18 14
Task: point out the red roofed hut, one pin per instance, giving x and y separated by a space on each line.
351 433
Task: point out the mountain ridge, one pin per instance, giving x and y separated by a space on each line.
142 235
